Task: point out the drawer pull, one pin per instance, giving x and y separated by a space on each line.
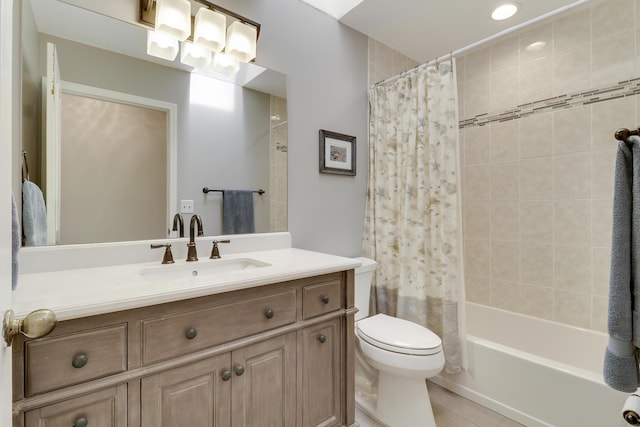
268 314
191 333
326 299
226 375
79 361
239 370
322 338
81 422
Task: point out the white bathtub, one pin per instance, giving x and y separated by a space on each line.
536 372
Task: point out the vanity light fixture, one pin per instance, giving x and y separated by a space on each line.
225 65
504 11
194 55
210 35
161 46
173 18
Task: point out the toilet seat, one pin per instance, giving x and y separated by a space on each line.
398 335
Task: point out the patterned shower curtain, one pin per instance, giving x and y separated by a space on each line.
413 214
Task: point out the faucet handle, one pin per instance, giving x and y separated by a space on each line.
215 252
168 256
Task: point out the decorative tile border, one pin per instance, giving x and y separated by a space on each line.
605 93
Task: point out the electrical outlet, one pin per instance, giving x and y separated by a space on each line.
186 206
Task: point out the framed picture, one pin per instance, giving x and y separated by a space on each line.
337 153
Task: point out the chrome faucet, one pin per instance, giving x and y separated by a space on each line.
192 254
178 222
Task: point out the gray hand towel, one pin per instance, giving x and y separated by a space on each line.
237 212
621 362
34 215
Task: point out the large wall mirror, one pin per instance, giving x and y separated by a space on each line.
137 135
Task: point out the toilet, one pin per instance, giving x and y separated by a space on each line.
405 355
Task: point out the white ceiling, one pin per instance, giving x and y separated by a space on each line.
426 29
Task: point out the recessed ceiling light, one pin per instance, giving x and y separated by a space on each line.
504 11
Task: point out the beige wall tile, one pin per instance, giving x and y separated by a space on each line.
536 301
505 54
572 70
504 140
477 182
536 135
478 289
572 268
565 123
572 176
602 221
400 62
536 178
505 220
476 96
505 295
572 30
505 261
477 147
536 79
609 116
600 313
572 308
611 17
477 219
603 168
536 221
601 269
477 257
536 43
505 88
504 181
608 65
572 223
536 263
477 65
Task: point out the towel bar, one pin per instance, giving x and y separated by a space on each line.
206 190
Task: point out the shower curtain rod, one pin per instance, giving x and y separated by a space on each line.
486 40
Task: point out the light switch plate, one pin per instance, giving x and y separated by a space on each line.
186 206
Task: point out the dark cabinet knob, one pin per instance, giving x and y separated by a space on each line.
326 299
226 375
81 422
268 314
191 333
79 361
322 338
239 370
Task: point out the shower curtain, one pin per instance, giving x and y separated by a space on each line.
413 219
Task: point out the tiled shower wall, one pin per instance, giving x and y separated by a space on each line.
538 110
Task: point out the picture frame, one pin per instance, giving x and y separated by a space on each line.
337 153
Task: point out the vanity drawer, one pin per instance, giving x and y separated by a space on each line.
321 298
53 363
184 333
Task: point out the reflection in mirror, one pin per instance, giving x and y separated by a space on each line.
228 135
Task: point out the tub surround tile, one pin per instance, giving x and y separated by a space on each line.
572 70
505 221
477 219
536 263
608 66
478 65
505 261
504 141
536 301
478 150
572 30
565 137
602 221
536 135
504 88
478 289
536 79
477 260
536 221
477 179
572 268
610 116
505 54
504 181
536 178
600 313
572 224
536 43
611 17
572 308
572 176
601 270
505 295
603 168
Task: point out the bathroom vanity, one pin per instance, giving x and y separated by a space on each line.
270 346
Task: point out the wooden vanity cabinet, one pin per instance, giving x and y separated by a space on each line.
276 355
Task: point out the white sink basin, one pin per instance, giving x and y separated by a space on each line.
199 269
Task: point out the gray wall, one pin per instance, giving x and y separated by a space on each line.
326 65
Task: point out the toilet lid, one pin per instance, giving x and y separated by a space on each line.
398 335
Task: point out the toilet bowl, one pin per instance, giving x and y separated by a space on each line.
405 355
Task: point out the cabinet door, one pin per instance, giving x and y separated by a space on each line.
105 408
321 375
264 383
196 395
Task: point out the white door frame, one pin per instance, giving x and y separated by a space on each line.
8 132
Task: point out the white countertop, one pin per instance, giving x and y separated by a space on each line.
90 291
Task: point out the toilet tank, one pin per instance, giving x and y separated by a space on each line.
362 285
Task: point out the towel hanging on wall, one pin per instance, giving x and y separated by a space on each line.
237 212
621 356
